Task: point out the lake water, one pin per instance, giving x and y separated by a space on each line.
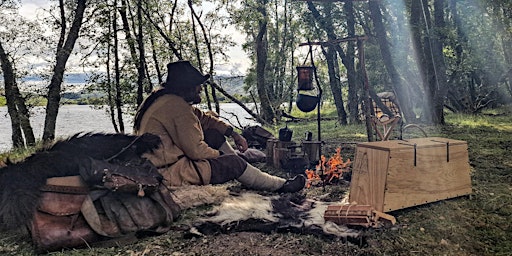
73 119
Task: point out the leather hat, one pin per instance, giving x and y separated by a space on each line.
183 74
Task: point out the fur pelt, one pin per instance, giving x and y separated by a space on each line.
20 182
294 213
237 211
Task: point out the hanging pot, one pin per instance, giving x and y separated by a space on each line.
285 134
306 103
305 77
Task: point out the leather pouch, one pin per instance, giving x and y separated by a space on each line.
140 178
58 222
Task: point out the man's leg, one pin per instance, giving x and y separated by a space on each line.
229 167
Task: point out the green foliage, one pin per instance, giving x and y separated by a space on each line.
35 100
476 66
283 34
478 75
18 154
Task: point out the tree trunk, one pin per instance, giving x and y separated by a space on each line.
210 55
440 82
367 88
155 60
431 64
198 52
334 82
16 107
326 24
24 118
141 64
64 49
333 70
349 63
421 49
110 88
137 60
117 82
400 89
267 111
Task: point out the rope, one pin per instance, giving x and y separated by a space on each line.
123 149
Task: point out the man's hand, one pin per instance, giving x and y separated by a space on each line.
240 142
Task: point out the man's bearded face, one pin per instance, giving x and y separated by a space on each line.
193 95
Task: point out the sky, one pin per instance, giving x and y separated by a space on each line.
237 64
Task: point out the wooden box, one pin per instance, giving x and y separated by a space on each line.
396 174
278 152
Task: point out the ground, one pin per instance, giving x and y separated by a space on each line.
479 224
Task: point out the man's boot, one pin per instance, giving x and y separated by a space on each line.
254 178
294 184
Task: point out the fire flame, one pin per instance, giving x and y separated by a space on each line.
328 170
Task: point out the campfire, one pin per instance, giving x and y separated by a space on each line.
327 171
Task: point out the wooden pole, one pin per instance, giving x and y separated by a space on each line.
366 99
336 41
319 97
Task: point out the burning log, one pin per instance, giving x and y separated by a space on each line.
328 171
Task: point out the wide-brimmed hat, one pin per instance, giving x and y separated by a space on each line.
183 74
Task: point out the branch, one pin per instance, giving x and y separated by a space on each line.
241 104
161 32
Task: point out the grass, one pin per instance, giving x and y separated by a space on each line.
479 224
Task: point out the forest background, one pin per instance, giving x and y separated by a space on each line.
434 55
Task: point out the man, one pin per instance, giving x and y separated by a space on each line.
194 149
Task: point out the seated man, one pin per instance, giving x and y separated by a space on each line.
194 149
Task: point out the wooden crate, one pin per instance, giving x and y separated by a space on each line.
396 174
279 151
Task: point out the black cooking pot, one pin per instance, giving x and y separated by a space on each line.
285 134
306 103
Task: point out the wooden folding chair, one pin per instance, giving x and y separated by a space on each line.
382 123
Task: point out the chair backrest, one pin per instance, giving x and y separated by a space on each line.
389 100
385 123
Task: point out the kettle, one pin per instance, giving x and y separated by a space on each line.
285 134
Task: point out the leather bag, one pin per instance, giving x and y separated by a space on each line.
141 178
58 222
73 215
116 214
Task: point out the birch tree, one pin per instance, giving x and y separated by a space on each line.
19 42
64 46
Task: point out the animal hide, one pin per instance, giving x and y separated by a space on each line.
20 182
251 211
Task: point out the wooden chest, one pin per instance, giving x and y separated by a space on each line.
396 174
